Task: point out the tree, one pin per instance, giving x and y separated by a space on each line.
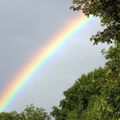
96 96
109 13
32 113
29 113
10 116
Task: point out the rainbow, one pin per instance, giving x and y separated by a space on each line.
19 81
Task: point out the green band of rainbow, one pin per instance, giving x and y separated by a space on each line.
38 60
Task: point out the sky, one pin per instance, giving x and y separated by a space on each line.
25 27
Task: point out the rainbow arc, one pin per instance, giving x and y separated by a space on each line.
26 73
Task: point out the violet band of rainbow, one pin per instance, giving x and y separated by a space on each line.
26 73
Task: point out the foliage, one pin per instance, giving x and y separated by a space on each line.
29 113
96 96
9 116
109 13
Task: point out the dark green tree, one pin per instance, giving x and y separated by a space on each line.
33 113
109 13
29 113
10 116
96 96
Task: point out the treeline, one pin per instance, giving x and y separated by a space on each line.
96 95
29 113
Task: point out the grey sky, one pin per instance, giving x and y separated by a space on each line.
25 26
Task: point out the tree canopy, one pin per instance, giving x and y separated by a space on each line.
109 13
96 96
29 113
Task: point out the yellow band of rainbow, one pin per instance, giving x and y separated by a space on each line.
26 73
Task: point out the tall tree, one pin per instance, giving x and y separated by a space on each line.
96 96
